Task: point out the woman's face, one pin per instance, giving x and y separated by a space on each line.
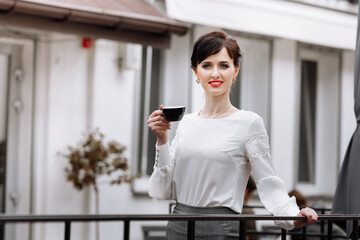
217 73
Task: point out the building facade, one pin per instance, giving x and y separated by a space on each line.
296 73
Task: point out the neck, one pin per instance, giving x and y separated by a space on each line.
216 109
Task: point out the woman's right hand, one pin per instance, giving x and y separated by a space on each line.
311 217
159 125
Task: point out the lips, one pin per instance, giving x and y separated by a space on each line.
215 83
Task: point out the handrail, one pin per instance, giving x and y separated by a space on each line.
141 217
242 218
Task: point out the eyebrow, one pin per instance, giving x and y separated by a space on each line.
219 62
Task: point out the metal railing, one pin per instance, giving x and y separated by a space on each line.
191 219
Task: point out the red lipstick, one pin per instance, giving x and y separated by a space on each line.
215 83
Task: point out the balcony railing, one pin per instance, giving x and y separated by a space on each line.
191 219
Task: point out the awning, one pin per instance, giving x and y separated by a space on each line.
135 21
274 18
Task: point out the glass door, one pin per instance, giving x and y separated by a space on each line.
4 66
16 59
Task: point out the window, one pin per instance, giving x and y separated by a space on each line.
306 156
318 120
149 96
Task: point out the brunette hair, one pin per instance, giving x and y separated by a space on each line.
300 199
212 43
251 185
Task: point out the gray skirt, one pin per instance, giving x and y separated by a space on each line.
203 229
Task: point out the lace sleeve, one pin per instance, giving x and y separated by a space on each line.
271 189
258 146
258 152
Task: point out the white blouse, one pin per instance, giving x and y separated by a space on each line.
209 163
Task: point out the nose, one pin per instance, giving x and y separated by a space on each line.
215 74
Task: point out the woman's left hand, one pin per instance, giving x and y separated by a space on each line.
311 217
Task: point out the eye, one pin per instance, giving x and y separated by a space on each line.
224 65
206 66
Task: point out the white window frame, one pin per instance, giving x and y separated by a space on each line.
148 94
327 119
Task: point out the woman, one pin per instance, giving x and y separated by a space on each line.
215 149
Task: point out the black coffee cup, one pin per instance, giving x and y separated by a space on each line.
173 114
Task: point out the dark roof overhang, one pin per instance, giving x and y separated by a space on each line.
134 21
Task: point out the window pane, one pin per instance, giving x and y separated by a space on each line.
154 104
141 122
307 122
149 101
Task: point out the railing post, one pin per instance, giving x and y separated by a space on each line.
67 230
242 230
126 229
303 233
355 232
322 225
329 230
2 230
191 230
283 234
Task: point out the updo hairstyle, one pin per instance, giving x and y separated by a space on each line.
212 43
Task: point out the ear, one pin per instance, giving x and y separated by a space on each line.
236 71
195 72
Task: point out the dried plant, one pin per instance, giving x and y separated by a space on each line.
93 158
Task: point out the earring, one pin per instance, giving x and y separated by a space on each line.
197 80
